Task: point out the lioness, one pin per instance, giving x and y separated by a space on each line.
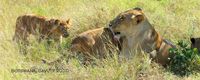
40 26
139 35
195 43
95 43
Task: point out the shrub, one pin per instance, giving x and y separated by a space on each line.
184 60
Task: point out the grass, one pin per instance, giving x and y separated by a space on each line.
173 19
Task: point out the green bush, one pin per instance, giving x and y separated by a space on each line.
184 60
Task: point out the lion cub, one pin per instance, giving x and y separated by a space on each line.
42 27
95 43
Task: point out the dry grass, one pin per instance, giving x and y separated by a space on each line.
173 19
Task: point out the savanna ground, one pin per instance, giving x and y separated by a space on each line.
173 19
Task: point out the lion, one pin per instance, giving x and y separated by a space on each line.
98 43
41 27
195 43
139 35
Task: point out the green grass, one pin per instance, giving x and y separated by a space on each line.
173 19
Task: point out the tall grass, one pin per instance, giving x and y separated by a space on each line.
173 19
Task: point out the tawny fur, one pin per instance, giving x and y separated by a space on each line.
162 52
41 27
139 35
94 43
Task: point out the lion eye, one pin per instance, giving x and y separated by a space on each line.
121 18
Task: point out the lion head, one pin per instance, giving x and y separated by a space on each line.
135 29
60 27
126 21
195 43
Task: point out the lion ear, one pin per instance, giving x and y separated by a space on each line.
51 21
139 18
192 40
57 21
68 21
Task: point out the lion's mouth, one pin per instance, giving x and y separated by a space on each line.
117 35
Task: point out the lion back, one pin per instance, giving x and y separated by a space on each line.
29 23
